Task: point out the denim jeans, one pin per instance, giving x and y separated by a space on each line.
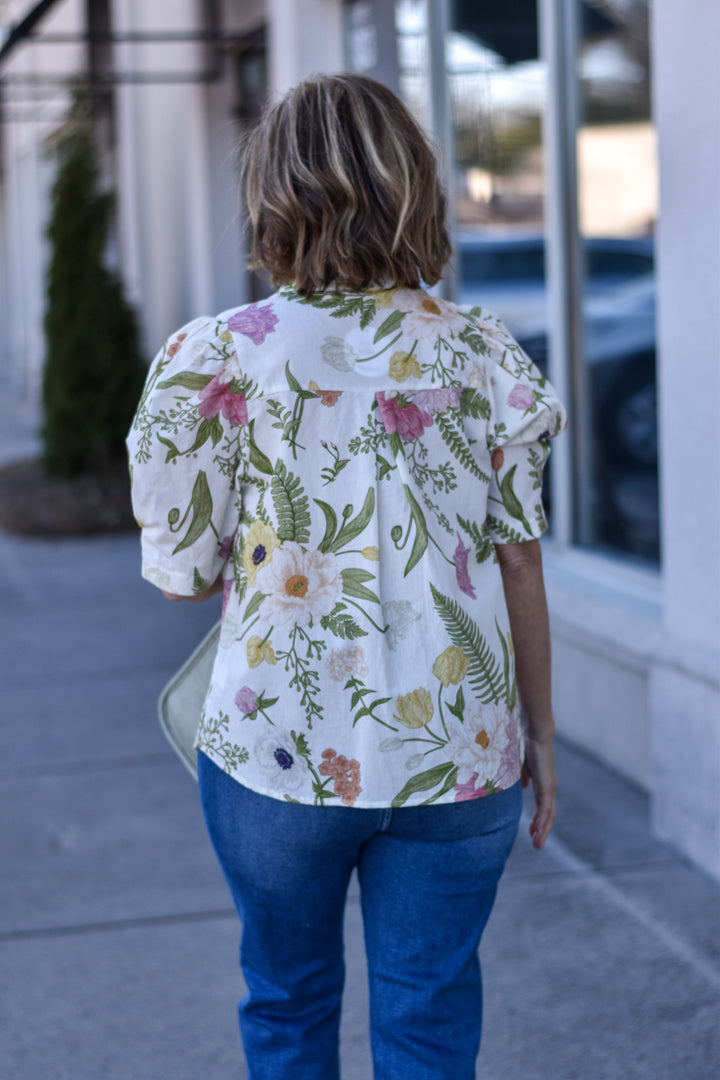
428 877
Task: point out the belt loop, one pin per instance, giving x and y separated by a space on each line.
385 819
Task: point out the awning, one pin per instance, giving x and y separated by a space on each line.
20 30
510 27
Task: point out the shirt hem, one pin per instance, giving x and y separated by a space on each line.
272 793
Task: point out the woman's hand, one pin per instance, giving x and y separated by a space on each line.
539 769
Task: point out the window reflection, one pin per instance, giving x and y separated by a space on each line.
617 480
498 88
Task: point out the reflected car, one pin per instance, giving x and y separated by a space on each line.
507 276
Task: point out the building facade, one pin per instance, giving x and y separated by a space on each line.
581 141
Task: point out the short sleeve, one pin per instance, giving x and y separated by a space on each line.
185 448
526 414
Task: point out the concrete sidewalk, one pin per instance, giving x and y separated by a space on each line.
117 939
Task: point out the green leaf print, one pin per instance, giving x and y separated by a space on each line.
350 529
484 547
291 505
199 583
340 305
330 525
172 448
450 782
424 781
473 403
190 380
360 693
389 326
484 674
421 532
353 578
253 604
201 507
211 735
458 708
456 443
508 535
510 500
261 462
291 380
510 684
208 429
341 623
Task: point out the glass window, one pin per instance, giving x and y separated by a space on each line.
616 484
498 89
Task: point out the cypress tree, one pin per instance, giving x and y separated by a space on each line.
93 370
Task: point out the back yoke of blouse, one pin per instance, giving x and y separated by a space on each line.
347 463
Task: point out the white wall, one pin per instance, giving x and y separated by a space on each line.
685 687
30 118
305 38
163 169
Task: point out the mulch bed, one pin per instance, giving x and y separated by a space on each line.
33 504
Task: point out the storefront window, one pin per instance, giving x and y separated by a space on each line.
498 86
617 479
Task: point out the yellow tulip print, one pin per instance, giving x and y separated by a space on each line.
451 666
415 709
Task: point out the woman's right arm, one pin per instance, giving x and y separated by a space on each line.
522 576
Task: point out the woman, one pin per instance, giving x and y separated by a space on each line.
357 466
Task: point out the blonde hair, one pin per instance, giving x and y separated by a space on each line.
342 189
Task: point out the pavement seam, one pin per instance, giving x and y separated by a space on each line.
91 765
610 893
116 924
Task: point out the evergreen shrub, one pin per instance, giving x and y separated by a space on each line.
94 370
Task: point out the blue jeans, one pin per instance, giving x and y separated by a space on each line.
428 877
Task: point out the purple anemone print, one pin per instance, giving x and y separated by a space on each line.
461 571
436 400
255 321
246 700
521 397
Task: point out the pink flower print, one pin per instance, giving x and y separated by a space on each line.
246 700
461 571
521 397
227 589
408 420
466 791
435 401
255 321
345 774
219 397
226 547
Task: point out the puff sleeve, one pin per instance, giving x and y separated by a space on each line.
525 415
185 452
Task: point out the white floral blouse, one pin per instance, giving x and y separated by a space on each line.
347 463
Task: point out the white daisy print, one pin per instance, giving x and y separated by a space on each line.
476 745
299 585
277 756
427 317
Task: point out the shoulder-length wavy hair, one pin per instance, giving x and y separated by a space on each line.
342 189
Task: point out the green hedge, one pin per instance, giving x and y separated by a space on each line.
93 370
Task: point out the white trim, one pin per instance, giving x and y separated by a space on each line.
606 575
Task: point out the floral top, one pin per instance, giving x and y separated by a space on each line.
347 463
